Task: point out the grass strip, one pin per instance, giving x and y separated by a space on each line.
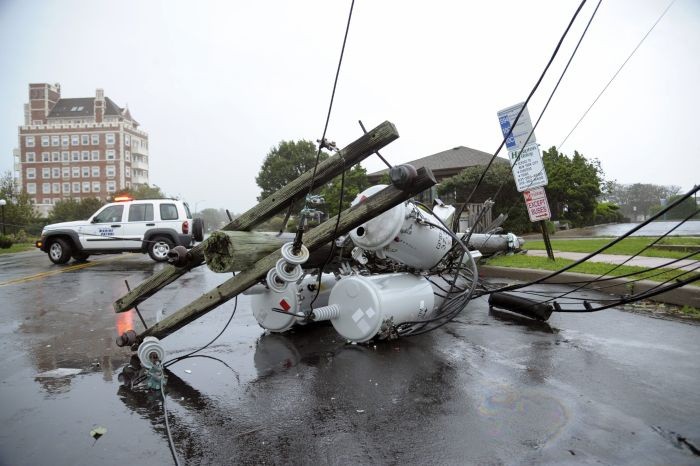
18 247
628 246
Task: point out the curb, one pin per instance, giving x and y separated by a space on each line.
687 295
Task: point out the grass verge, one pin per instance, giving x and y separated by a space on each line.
18 247
592 268
628 246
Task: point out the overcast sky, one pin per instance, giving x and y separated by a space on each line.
217 84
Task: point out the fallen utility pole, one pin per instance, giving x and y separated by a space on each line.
318 237
349 156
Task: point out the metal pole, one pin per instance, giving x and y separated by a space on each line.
3 220
545 237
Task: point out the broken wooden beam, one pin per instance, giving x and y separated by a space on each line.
349 156
319 236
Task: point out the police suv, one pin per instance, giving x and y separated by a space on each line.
148 225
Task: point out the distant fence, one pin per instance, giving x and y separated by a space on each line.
469 217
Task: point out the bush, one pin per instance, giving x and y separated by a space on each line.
19 237
5 242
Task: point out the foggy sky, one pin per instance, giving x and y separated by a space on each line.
217 84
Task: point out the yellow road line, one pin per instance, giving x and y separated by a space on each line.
70 268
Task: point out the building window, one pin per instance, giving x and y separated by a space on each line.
76 187
56 200
31 173
127 172
128 184
96 187
111 186
31 188
65 172
74 140
85 155
55 156
45 157
56 188
109 138
110 171
55 172
75 156
47 200
86 172
46 172
109 154
75 171
46 188
55 141
127 156
65 156
29 141
30 157
66 188
86 186
95 155
95 139
127 140
84 139
64 140
95 172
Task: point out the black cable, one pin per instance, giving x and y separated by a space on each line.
167 429
616 73
537 84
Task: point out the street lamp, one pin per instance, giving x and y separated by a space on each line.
2 207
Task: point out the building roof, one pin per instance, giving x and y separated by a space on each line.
449 162
82 107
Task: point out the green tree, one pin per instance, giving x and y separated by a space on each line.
19 212
574 186
355 182
143 191
213 218
681 211
285 163
72 209
639 199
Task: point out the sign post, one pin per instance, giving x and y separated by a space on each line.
527 166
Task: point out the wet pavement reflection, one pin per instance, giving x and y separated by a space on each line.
490 388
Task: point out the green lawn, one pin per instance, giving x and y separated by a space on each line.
593 268
18 247
628 246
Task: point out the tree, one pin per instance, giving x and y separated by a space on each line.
19 212
285 163
574 186
72 209
143 191
214 219
683 210
355 182
639 199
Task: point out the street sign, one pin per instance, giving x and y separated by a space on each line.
537 205
506 117
528 170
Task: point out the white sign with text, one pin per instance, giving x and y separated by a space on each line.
537 205
528 169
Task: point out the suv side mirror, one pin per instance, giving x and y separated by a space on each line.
93 220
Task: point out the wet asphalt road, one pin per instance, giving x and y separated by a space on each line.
605 388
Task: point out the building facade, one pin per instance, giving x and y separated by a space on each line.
77 148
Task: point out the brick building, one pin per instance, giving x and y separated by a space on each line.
77 148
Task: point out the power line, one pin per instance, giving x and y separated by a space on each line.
616 73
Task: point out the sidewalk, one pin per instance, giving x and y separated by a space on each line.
687 265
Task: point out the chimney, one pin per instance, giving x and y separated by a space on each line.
99 109
42 98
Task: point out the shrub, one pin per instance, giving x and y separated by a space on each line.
5 242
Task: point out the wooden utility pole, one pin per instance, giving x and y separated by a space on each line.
354 153
319 236
545 238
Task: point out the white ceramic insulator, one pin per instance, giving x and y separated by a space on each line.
147 347
326 312
275 283
292 275
288 254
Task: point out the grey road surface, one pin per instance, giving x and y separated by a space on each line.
491 388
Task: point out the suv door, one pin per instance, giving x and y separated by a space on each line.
140 219
105 229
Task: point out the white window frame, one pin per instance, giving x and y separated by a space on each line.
31 173
46 156
96 186
84 139
46 172
110 171
75 156
86 186
65 156
30 157
127 172
110 154
55 156
95 172
65 139
56 188
45 188
76 186
55 140
109 139
85 155
95 139
66 188
127 140
31 188
95 155
75 172
65 172
127 156
85 171
111 186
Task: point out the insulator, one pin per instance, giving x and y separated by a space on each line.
288 254
151 351
275 283
288 272
326 312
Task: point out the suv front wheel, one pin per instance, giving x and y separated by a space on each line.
59 251
159 247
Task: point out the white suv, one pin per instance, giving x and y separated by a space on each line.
148 225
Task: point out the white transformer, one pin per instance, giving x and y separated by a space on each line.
399 234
